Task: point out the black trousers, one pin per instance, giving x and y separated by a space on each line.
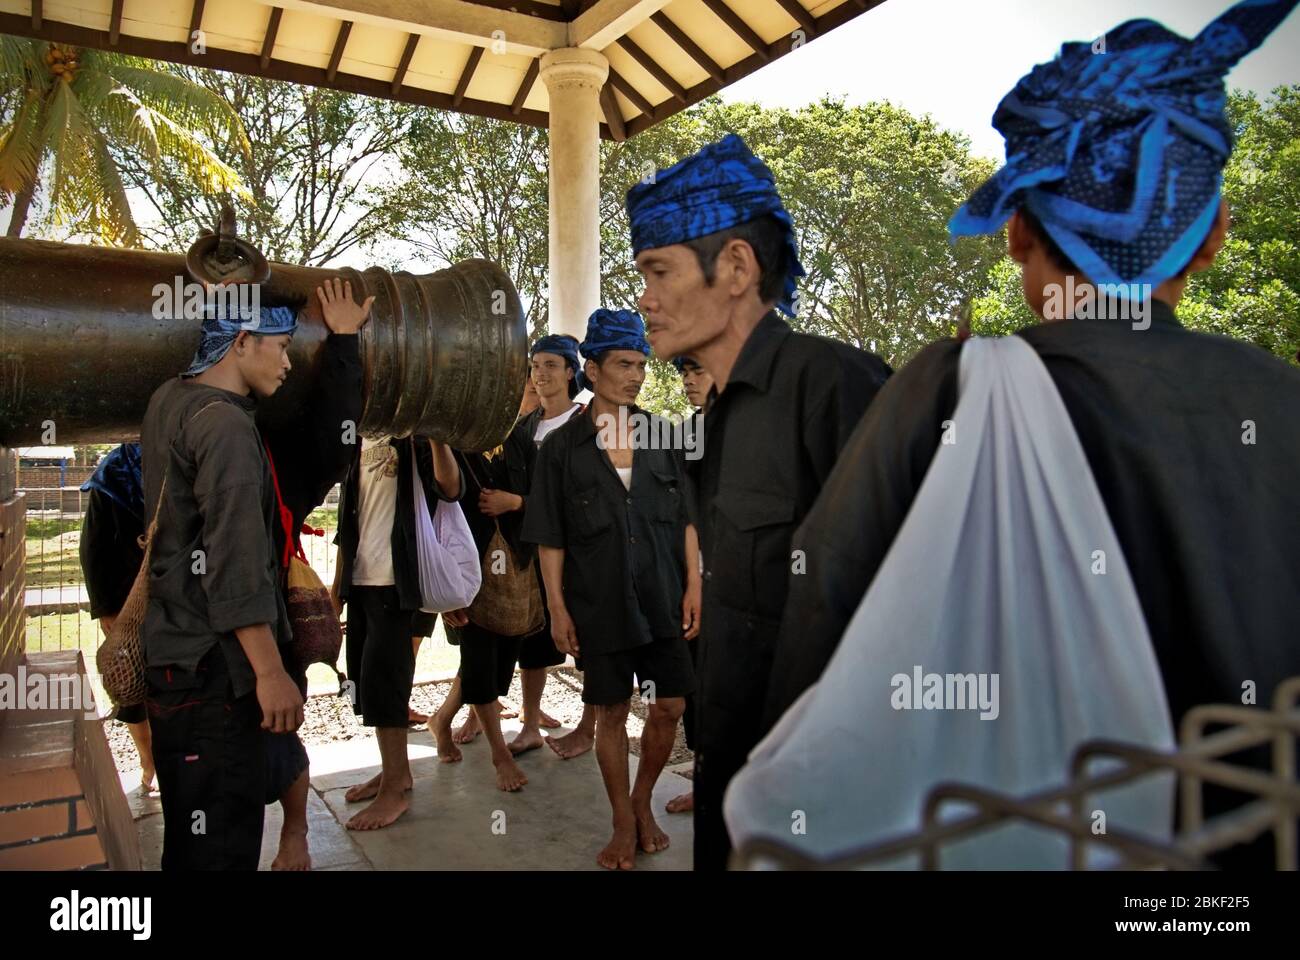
209 748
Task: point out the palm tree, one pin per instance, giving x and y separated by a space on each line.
68 110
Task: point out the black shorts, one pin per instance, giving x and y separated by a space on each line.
487 664
422 623
380 661
209 750
538 651
135 713
607 678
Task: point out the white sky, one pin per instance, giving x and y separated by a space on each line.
955 59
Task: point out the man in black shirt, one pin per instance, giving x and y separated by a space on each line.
716 249
110 559
1208 518
619 557
216 614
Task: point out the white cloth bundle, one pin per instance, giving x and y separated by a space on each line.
986 649
450 574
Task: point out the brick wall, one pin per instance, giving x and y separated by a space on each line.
61 803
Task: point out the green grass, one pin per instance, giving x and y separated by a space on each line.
52 552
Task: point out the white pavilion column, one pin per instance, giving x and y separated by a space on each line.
573 78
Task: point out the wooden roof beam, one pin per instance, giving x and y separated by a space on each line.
456 21
412 41
526 87
689 46
739 27
652 67
466 76
272 28
801 16
631 92
336 55
607 20
613 115
115 22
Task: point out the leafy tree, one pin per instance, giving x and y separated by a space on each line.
315 167
473 187
77 113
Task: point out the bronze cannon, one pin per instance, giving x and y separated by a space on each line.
82 345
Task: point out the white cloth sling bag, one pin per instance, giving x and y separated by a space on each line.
450 575
993 585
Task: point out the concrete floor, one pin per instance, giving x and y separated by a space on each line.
458 819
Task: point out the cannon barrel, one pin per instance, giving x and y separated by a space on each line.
87 334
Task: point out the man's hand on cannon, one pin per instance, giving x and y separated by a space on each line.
341 314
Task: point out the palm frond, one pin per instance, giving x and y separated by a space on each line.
186 103
68 136
114 212
20 61
21 144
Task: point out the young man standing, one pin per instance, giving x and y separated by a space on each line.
378 577
216 613
553 383
697 383
716 249
620 561
1208 517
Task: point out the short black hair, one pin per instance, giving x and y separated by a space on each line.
1054 252
1062 260
767 238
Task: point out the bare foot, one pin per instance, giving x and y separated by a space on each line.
364 791
448 752
546 720
683 804
572 744
509 777
620 852
524 741
386 809
468 730
369 789
414 717
648 832
293 854
508 710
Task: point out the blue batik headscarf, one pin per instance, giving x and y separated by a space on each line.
720 187
119 477
565 347
614 330
1117 147
219 332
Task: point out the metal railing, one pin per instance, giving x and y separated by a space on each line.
1200 760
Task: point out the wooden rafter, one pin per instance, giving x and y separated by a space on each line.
688 46
272 28
652 67
412 41
526 87
739 27
613 115
466 76
336 55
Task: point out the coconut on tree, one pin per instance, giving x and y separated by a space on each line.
66 111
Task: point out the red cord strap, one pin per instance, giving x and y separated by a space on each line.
292 546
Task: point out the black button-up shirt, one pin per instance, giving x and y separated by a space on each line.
624 550
771 438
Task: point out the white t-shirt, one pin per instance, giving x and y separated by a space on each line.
376 507
625 474
546 426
